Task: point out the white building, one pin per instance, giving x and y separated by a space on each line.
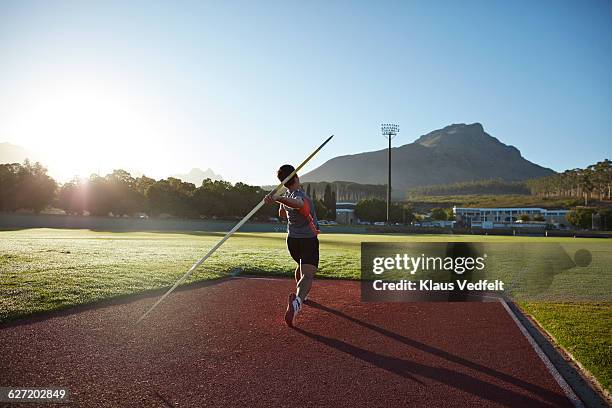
345 213
506 217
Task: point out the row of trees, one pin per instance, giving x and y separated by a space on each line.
348 191
491 186
375 209
27 186
589 218
326 207
121 194
595 181
442 214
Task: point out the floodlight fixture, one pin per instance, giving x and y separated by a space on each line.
389 130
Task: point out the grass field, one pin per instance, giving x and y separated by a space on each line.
583 329
48 269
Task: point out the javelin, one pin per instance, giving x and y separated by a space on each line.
231 232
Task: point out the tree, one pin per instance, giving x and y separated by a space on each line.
117 193
450 215
593 181
142 185
172 196
241 198
8 186
602 178
407 215
210 199
72 197
99 200
439 214
372 210
320 208
329 199
581 217
525 217
26 186
332 209
539 217
125 197
605 219
375 210
585 180
477 187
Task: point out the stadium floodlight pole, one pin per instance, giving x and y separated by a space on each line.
231 232
389 131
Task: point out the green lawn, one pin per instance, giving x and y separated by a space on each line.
583 329
48 269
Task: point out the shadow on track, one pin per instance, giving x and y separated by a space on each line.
97 304
446 376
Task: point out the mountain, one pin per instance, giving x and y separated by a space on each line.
10 153
456 153
196 176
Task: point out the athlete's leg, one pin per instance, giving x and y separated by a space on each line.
306 252
298 275
305 283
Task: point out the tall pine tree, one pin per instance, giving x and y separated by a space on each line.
332 209
328 201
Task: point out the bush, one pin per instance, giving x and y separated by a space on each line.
581 217
375 210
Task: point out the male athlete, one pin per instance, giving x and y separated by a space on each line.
302 241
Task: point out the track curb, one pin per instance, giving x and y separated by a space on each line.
577 389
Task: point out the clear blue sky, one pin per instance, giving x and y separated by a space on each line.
242 87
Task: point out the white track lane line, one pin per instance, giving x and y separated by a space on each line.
569 392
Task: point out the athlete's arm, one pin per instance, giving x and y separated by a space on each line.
289 202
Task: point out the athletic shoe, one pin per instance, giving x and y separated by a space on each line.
291 310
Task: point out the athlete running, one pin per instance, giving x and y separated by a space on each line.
302 241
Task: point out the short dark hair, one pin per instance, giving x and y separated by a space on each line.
284 171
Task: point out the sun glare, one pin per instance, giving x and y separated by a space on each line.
80 129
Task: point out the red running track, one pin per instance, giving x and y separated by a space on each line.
225 344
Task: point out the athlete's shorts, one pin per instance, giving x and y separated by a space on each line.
306 249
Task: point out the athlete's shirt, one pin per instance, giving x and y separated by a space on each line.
301 222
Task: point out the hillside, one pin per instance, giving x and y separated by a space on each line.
10 153
196 176
456 153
